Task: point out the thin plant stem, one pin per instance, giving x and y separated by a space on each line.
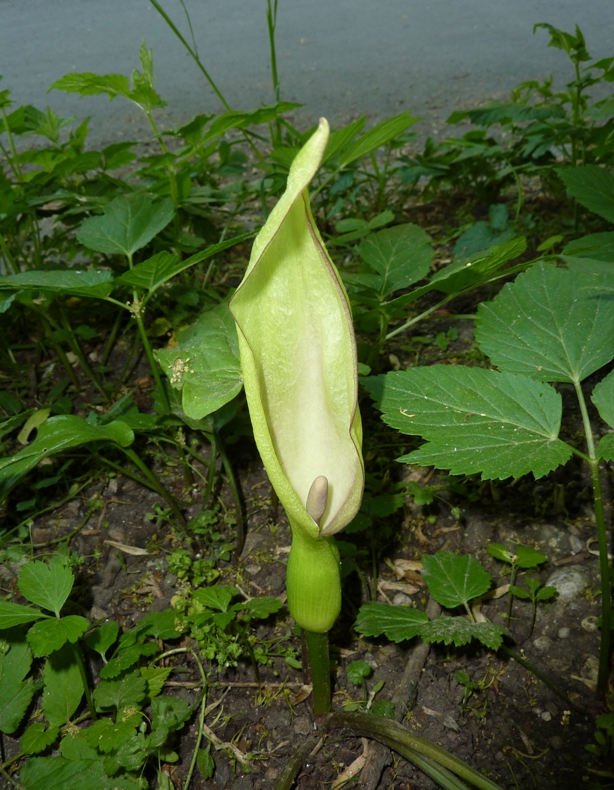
10 779
319 662
7 254
510 600
86 687
236 494
108 348
155 484
604 563
14 162
78 352
539 675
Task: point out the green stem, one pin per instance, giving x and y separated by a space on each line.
60 352
154 483
14 163
604 563
78 352
7 254
236 494
539 675
510 599
319 661
111 339
86 687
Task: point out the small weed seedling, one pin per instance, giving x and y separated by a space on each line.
357 674
524 558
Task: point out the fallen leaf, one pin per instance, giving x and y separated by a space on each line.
134 550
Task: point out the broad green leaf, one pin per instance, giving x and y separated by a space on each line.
519 592
169 713
119 693
155 271
63 686
96 284
167 624
342 137
379 135
605 448
12 614
603 398
546 593
550 324
205 762
15 692
217 597
454 579
597 246
401 255
397 623
55 435
205 363
155 677
88 84
102 638
357 671
507 112
592 186
36 738
474 420
57 773
528 557
129 222
500 552
126 658
480 236
263 607
48 635
46 585
107 736
74 746
459 631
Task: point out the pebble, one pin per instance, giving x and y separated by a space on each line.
576 544
271 774
563 633
569 583
253 569
556 742
400 599
590 624
302 726
542 643
545 715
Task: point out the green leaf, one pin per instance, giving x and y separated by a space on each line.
550 324
36 738
155 677
74 746
597 246
155 271
397 623
95 283
88 84
357 671
218 597
55 435
480 236
474 420
500 552
458 631
379 135
263 607
119 693
169 713
603 398
48 635
400 255
107 736
205 762
342 137
102 638
57 773
519 592
205 363
12 614
383 707
453 579
63 686
592 186
528 557
167 624
605 449
47 586
126 658
15 692
129 223
546 593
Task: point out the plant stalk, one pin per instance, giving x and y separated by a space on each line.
319 662
86 687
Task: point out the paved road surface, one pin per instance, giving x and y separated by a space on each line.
341 58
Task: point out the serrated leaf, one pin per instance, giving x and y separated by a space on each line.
383 707
528 557
15 692
67 281
458 631
400 255
119 693
126 658
46 585
63 686
48 635
167 624
550 324
107 736
397 623
57 434
36 738
169 713
74 746
480 236
500 552
592 186
546 593
217 597
102 638
474 420
12 614
263 607
603 398
597 246
205 363
129 223
519 592
57 773
357 671
155 677
160 268
88 84
605 448
205 762
453 579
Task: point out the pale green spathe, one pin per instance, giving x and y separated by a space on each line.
298 357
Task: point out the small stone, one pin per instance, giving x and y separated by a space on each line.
302 726
545 715
569 583
170 580
542 643
253 569
563 633
590 624
556 742
499 757
400 599
576 544
270 775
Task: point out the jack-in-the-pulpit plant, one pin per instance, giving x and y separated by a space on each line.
298 358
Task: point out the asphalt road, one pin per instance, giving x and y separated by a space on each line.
340 58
